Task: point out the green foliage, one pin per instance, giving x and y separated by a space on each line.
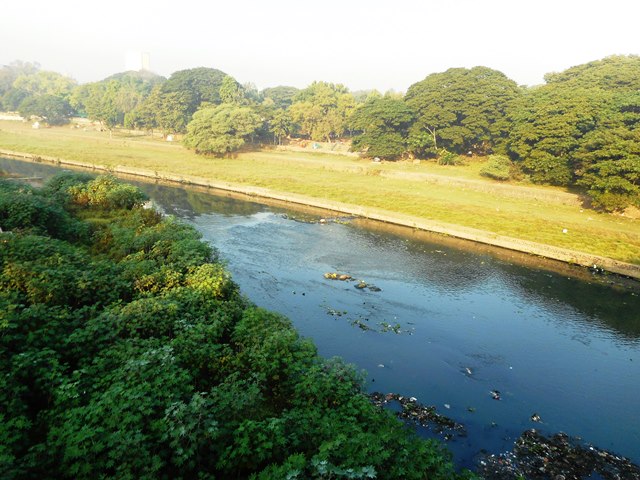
231 91
9 73
462 109
221 130
45 83
583 128
383 123
52 109
610 161
498 167
282 96
620 73
548 128
322 110
182 380
448 158
281 125
107 193
28 210
196 86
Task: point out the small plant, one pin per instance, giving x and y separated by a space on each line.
499 167
448 158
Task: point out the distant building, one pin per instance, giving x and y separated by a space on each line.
146 61
136 61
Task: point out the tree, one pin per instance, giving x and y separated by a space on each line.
383 123
583 127
45 83
619 73
282 96
221 130
321 110
9 73
281 125
461 110
100 101
196 85
52 109
548 128
231 91
11 97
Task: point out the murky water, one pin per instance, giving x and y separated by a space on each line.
448 326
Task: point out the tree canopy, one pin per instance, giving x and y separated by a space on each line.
383 123
461 110
198 85
583 128
321 111
221 130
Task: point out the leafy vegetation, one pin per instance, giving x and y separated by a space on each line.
461 110
498 167
126 351
581 129
383 123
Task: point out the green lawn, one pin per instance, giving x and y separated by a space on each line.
526 212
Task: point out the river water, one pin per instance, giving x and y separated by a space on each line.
448 323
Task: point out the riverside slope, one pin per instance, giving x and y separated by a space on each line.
466 233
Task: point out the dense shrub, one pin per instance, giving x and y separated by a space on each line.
498 167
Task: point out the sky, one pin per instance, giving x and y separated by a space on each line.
363 44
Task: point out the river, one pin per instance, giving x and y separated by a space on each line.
448 322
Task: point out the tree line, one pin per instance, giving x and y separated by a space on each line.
127 351
580 129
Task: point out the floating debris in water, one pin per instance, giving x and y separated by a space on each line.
557 457
423 415
387 327
337 276
361 325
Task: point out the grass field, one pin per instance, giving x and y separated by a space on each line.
452 194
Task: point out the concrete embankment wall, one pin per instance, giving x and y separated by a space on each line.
533 248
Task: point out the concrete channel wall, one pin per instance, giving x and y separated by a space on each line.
475 235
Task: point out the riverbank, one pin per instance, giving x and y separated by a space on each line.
548 251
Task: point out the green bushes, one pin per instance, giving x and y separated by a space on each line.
138 358
499 167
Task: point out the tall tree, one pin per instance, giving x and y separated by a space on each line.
548 128
383 124
282 96
619 73
461 110
52 109
221 130
231 91
197 85
45 83
322 109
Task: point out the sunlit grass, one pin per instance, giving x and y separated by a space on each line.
355 181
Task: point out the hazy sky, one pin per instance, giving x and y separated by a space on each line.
362 44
